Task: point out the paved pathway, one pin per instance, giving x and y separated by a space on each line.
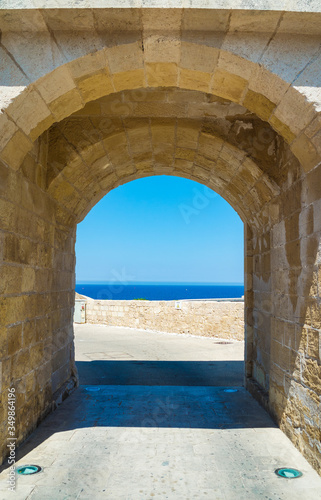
135 442
135 357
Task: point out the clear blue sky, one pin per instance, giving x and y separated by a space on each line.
161 228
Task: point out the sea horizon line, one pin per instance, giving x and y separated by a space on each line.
205 283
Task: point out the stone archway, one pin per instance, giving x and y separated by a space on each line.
84 121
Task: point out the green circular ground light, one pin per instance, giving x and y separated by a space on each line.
288 473
26 470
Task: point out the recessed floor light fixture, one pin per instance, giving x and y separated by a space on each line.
230 390
26 470
288 473
92 389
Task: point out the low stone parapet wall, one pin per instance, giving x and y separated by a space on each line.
217 318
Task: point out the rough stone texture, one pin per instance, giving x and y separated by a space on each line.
144 442
91 99
206 318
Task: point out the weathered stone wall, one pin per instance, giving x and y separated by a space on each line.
37 296
284 311
223 319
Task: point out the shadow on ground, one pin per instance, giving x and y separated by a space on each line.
157 394
178 373
179 407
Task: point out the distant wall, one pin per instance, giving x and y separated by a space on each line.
224 319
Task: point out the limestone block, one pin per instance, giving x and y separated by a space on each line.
316 141
115 141
194 80
240 183
312 374
88 65
63 191
36 354
21 363
139 140
117 19
209 145
259 104
282 128
108 182
125 57
104 126
161 47
199 172
206 163
306 153
295 111
15 150
308 83
62 19
236 65
268 84
8 128
28 280
231 155
163 132
265 21
31 22
77 44
185 154
198 57
298 50
157 109
205 20
161 19
313 131
183 167
194 99
30 113
125 170
95 86
129 80
227 85
308 23
10 76
161 74
54 85
116 107
11 278
35 52
163 161
119 158
66 104
187 134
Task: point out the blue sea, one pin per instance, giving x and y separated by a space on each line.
160 291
